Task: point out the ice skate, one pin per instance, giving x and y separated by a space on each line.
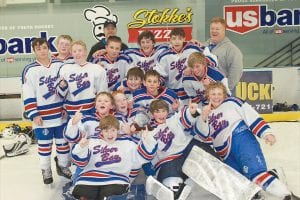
158 190
184 192
291 197
279 173
62 171
258 196
47 176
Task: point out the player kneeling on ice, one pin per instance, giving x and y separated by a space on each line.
107 160
174 142
232 124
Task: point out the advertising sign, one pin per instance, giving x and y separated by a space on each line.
160 22
255 87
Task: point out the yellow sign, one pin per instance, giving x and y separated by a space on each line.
144 17
253 91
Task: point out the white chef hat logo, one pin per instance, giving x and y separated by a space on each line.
98 15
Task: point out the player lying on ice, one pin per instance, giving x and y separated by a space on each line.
232 124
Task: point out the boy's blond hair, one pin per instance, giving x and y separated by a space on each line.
114 93
214 85
67 37
196 57
79 42
108 122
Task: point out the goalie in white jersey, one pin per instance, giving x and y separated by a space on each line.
174 142
44 108
108 160
232 124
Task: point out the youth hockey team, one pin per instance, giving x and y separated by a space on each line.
125 111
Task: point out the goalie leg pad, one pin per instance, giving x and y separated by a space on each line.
217 177
158 190
15 149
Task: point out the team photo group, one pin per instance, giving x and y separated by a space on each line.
115 113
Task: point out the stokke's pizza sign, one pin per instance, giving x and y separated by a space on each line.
245 18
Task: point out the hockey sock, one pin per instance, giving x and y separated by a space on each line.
271 184
44 150
62 152
277 188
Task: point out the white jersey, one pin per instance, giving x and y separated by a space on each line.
171 65
233 115
126 90
195 89
128 118
143 61
105 164
84 82
39 93
115 70
67 60
143 98
89 124
172 137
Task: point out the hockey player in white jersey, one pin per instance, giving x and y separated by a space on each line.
44 108
152 90
125 112
63 46
173 61
80 81
115 64
81 124
134 81
108 160
233 124
146 56
202 73
174 142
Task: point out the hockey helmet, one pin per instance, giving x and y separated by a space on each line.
8 133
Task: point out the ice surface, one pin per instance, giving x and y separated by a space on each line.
20 177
